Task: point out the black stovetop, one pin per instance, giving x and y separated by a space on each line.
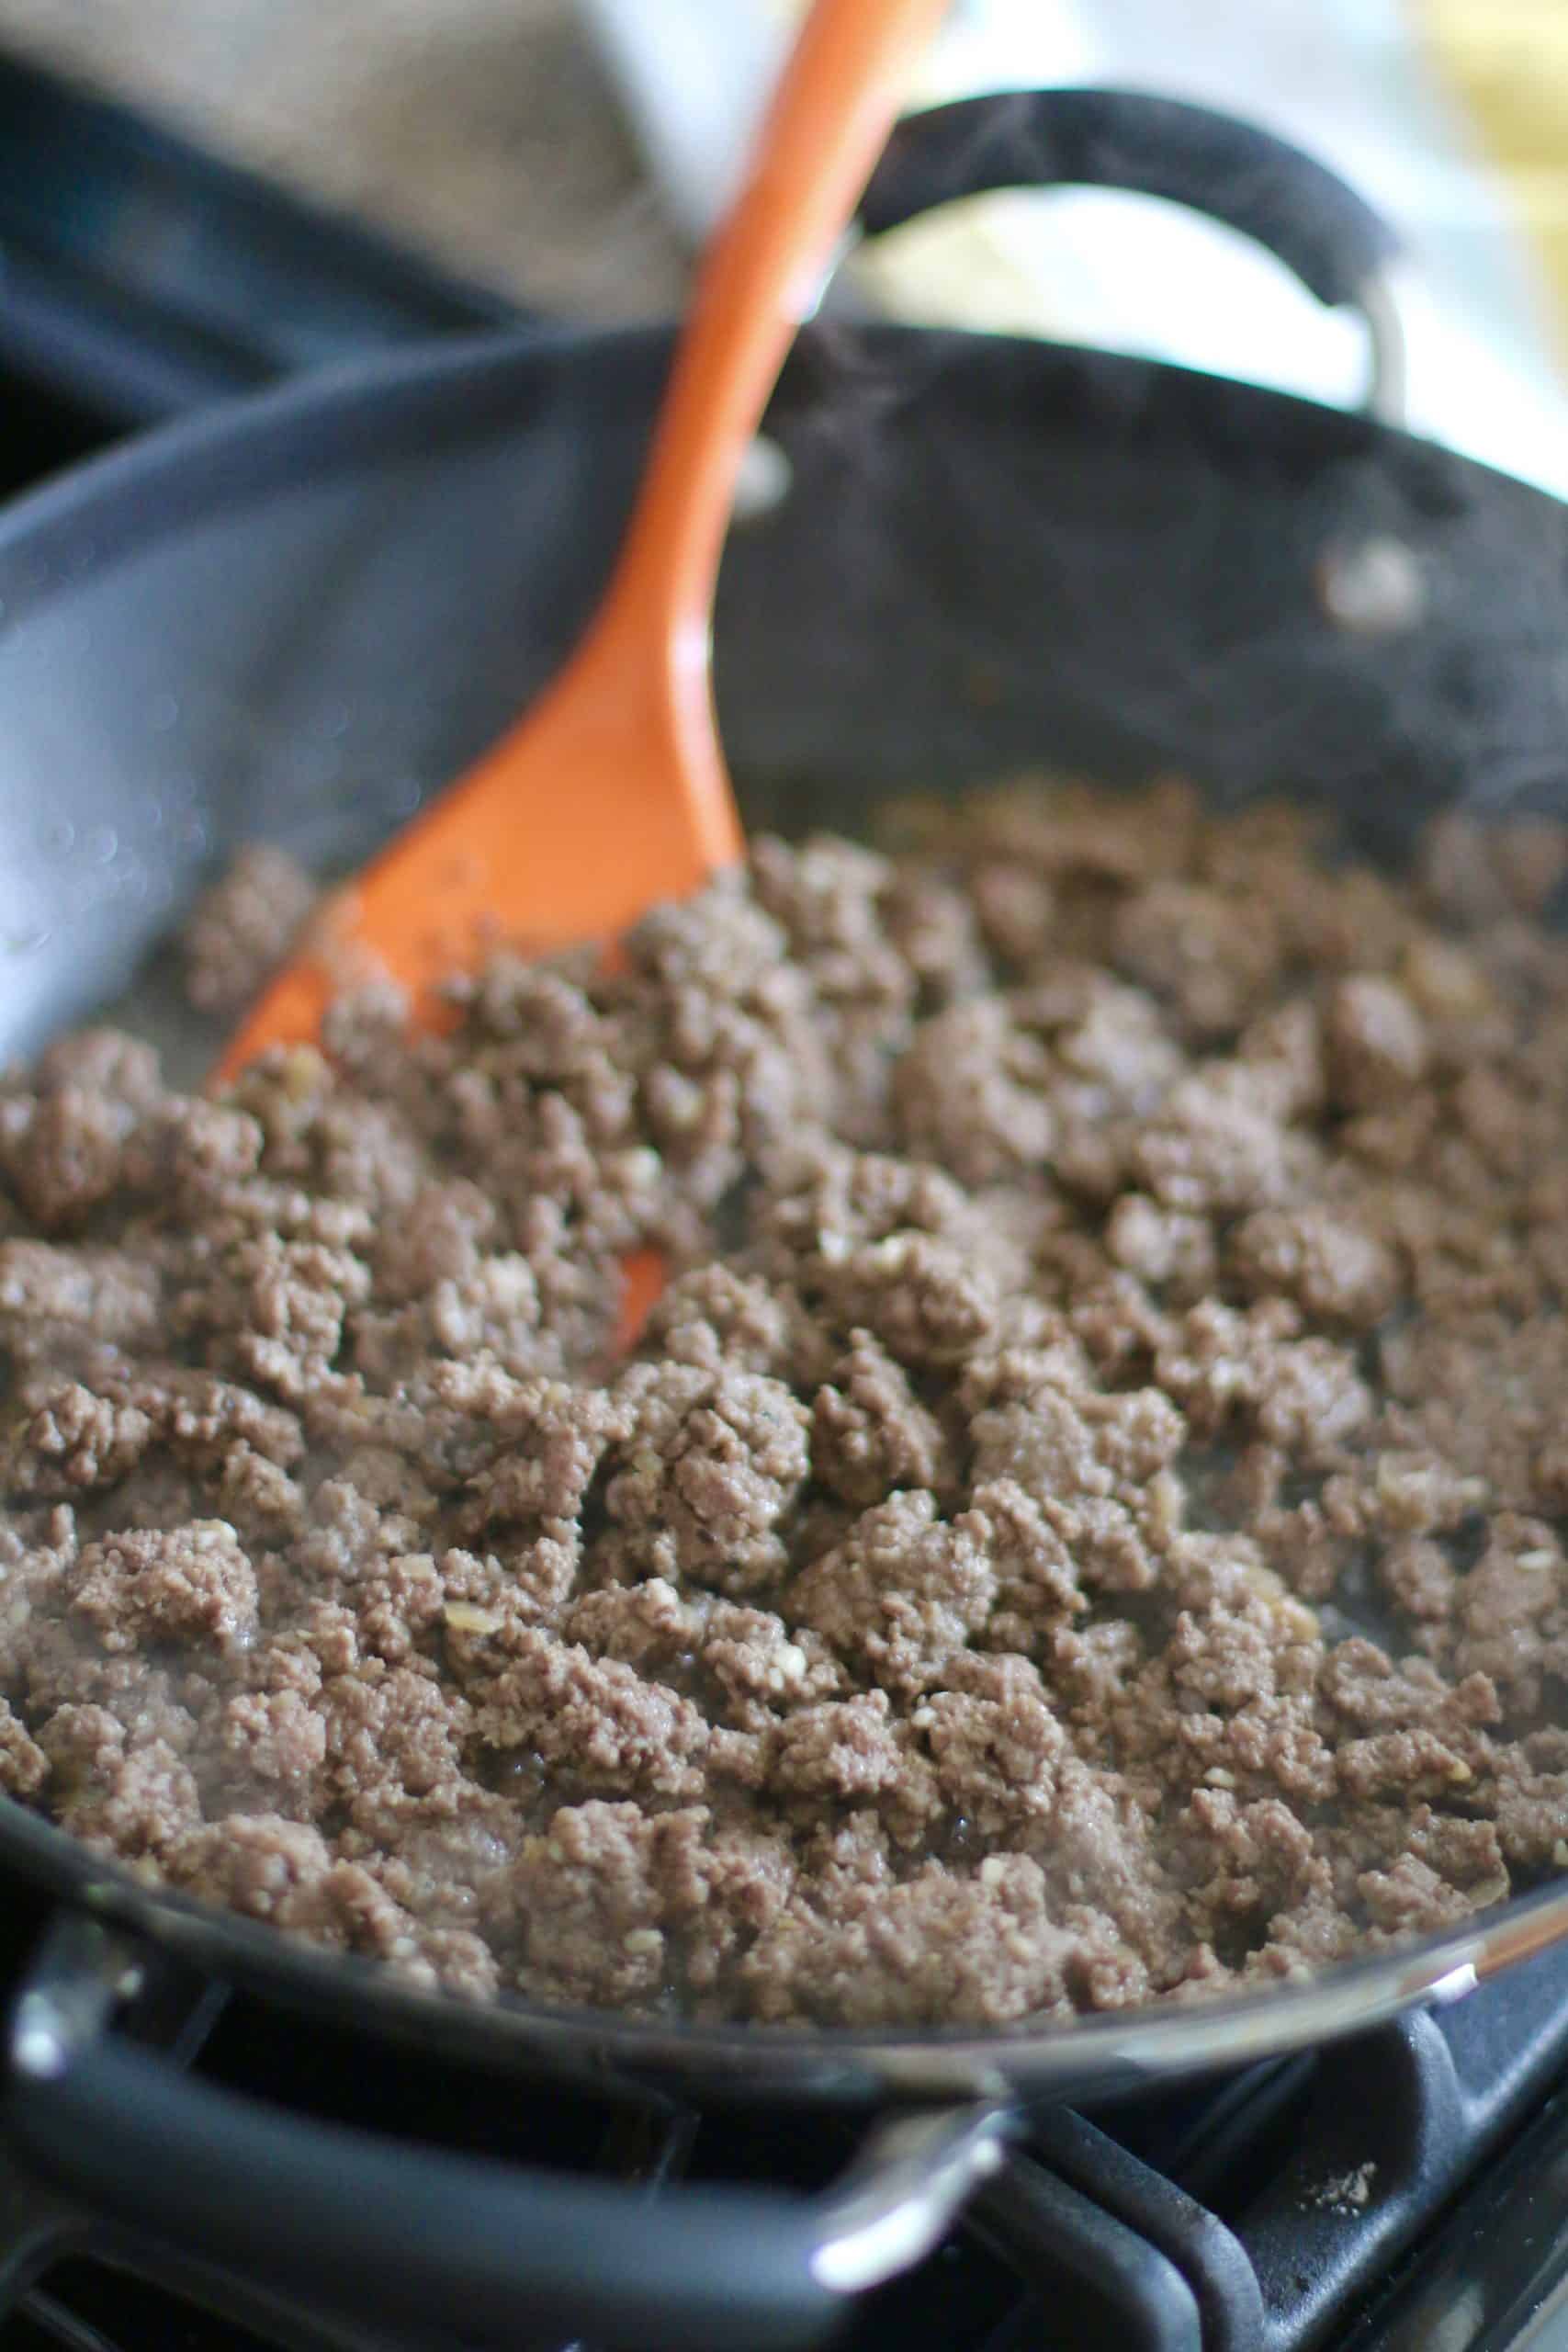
1406 2189
144 278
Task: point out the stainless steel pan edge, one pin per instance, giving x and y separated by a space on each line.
235 625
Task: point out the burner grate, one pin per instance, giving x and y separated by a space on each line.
86 2308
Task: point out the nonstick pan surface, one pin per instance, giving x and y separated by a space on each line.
296 617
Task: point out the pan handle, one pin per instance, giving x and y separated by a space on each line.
395 2235
1214 164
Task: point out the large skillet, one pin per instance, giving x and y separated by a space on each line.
295 616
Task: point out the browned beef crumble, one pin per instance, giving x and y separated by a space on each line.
244 927
1084 1525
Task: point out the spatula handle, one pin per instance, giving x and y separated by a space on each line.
839 97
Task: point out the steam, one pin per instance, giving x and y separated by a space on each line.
1135 555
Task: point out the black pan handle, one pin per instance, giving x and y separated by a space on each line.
1214 164
396 2235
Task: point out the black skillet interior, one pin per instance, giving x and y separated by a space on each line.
295 621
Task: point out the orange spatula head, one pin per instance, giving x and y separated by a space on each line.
610 793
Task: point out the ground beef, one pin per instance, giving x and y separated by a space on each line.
1084 1524
243 926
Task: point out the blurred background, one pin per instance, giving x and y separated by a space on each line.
480 157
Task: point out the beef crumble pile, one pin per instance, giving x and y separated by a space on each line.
244 928
1083 1522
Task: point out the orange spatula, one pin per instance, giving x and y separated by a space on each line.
610 793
